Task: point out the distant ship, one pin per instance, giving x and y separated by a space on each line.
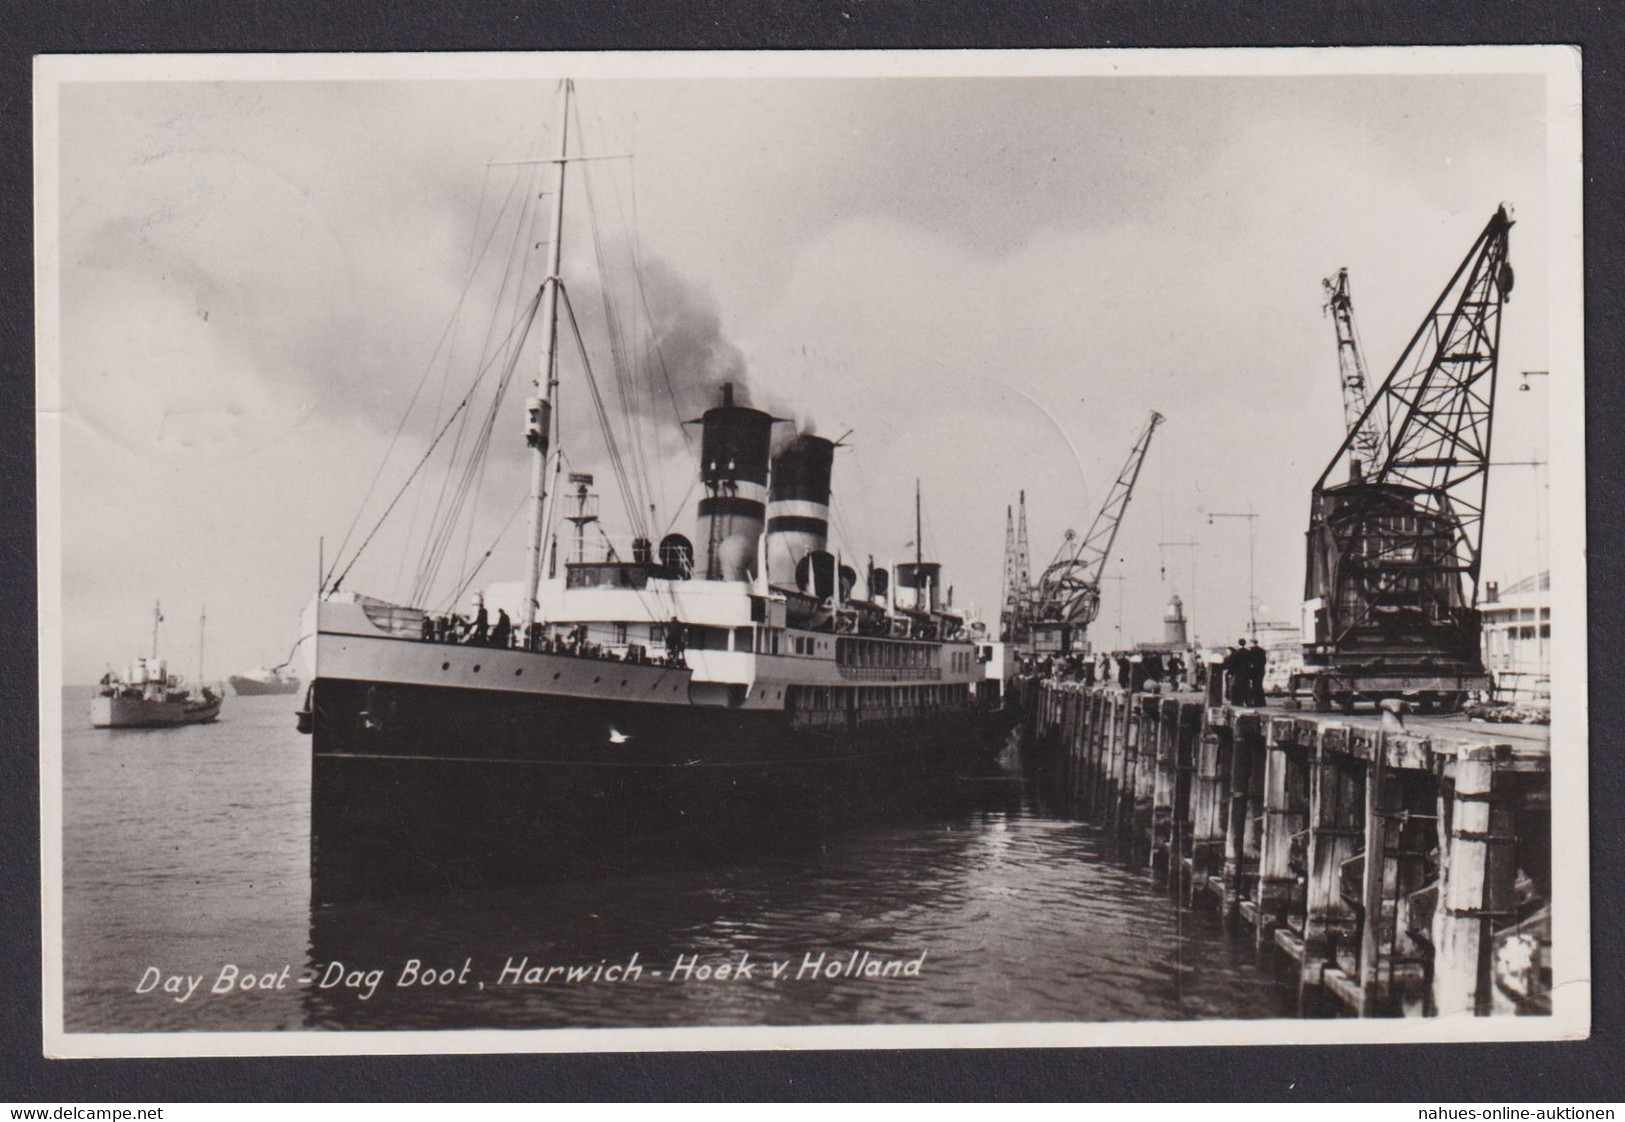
255 683
151 697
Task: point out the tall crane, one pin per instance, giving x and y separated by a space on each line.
1015 619
1067 596
1366 448
1391 590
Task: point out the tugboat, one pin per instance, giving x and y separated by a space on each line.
150 696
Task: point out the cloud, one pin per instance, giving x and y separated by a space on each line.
991 282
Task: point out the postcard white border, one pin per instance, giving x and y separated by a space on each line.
1558 65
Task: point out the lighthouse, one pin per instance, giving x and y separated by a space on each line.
1173 624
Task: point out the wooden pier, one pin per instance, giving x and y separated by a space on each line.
1396 871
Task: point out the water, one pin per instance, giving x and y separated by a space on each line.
186 851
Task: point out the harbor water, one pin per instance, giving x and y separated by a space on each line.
188 907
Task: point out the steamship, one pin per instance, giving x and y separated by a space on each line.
754 684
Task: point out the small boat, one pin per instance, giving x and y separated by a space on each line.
151 697
264 680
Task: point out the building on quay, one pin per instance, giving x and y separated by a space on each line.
1516 634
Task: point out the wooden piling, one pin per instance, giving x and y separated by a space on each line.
1236 818
1336 831
1187 733
1208 805
1463 924
1381 863
1282 818
1165 780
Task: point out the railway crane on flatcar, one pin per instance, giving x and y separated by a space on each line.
1391 588
1066 597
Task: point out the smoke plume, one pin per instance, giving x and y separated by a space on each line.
690 347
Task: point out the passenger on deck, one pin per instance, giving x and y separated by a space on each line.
426 628
676 642
1125 671
480 632
503 631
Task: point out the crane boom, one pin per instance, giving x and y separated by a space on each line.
1436 407
1365 450
1391 587
1018 591
1069 590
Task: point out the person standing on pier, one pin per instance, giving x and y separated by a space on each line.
1257 662
1238 674
1153 667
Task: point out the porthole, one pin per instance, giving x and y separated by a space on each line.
595 681
623 681
556 675
518 672
476 668
445 666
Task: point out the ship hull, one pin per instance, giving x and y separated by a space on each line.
135 713
414 783
258 687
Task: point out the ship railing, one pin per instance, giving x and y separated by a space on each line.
634 653
892 673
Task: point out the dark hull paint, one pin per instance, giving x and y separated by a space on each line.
139 713
417 785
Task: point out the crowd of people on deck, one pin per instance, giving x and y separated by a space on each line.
541 637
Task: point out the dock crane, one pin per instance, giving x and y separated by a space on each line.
1366 448
1066 598
1391 588
1015 623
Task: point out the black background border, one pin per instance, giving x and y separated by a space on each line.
1483 1073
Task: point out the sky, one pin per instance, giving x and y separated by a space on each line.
987 282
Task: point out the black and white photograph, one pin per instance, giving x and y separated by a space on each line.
880 550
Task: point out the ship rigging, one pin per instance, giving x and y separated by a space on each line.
742 681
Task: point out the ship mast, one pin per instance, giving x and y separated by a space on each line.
539 407
919 544
157 618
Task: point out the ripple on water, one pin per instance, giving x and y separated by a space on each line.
188 849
